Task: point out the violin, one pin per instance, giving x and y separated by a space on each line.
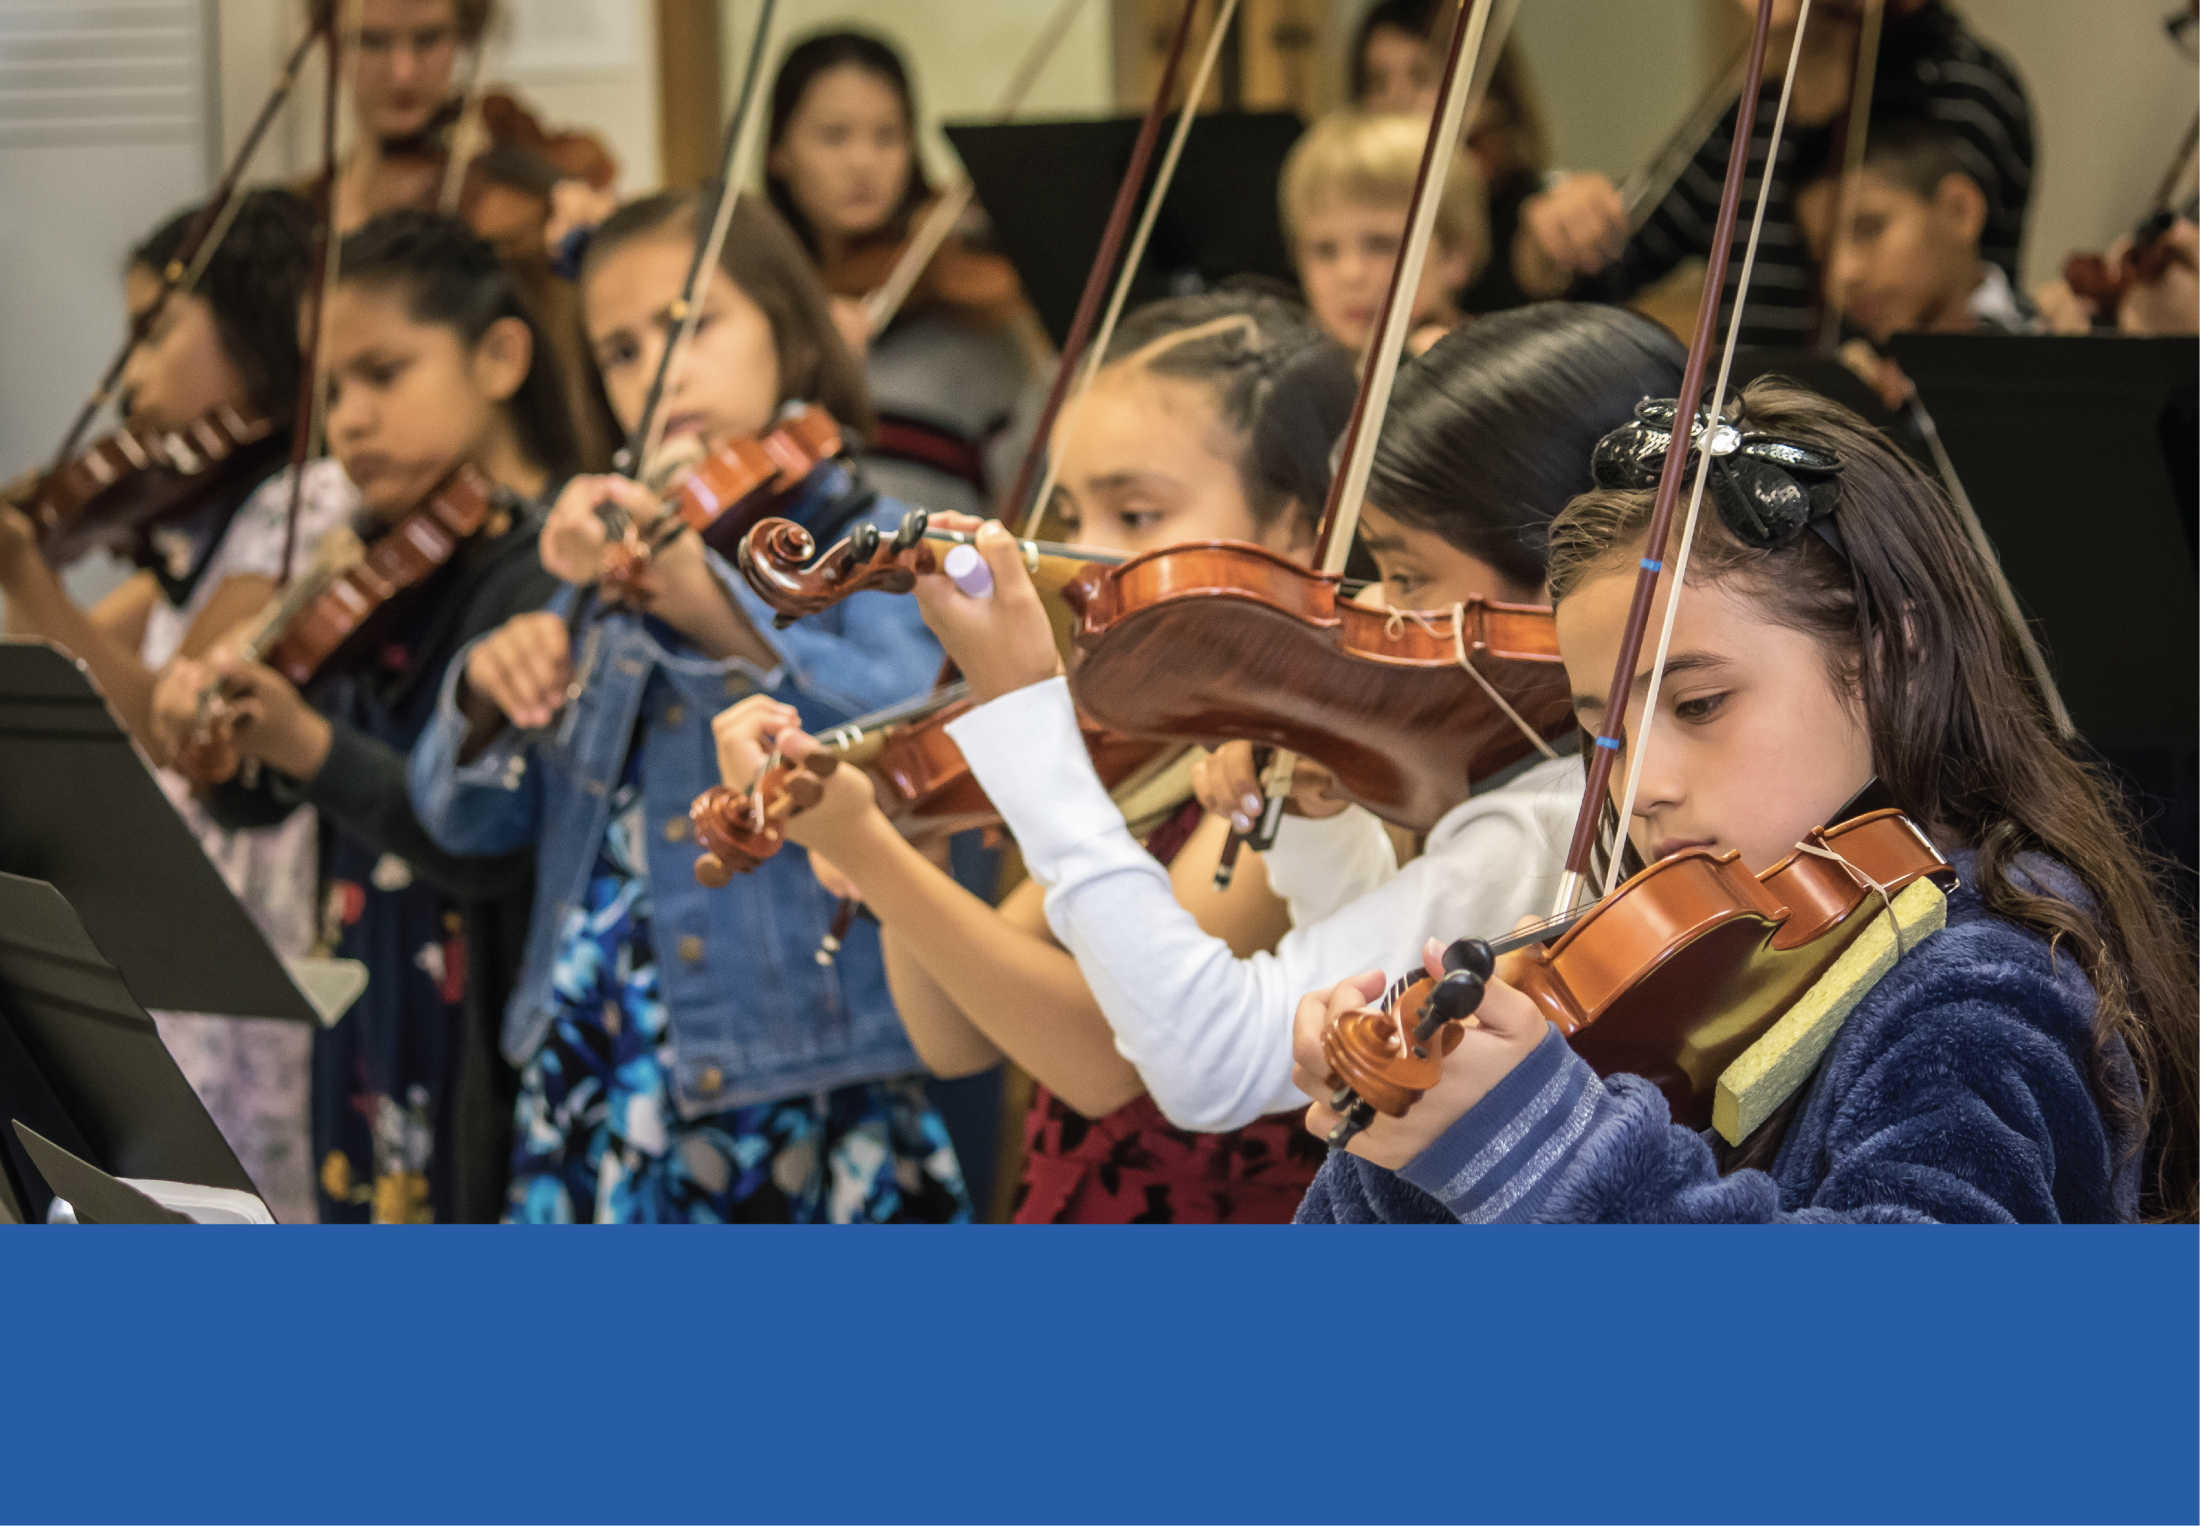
976 285
780 562
510 163
2088 275
136 479
1671 977
920 777
334 619
1222 641
725 495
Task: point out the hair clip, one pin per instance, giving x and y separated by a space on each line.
572 253
1767 490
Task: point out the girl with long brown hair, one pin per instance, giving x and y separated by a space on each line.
2033 1060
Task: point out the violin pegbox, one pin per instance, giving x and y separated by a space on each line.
739 829
775 559
1382 1059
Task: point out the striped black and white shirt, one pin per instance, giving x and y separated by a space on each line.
1928 66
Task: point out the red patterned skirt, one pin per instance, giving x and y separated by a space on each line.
1135 1167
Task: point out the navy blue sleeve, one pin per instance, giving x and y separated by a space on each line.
1959 1091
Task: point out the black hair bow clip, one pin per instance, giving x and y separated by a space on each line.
1767 490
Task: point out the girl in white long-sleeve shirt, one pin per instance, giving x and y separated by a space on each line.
1487 437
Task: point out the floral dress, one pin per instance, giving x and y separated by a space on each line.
252 1073
599 1140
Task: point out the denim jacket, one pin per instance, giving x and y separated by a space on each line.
754 1016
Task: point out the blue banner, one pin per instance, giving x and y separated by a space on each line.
1101 1375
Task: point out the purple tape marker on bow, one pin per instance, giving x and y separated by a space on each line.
968 571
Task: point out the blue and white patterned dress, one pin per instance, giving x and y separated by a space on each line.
598 1138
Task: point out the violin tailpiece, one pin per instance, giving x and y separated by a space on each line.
1771 1070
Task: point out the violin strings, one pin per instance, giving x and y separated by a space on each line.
1641 748
851 732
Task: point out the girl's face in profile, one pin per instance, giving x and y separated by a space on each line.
729 387
1422 570
1141 469
179 369
1755 740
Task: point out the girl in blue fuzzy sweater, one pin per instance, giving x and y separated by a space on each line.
2033 1061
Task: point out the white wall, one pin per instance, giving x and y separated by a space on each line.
1615 76
102 134
2110 98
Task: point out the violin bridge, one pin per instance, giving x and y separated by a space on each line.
1771 1070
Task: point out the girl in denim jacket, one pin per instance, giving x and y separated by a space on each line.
684 1055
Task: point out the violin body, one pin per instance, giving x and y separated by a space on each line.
512 161
919 776
1678 971
2088 275
747 481
1220 641
130 481
733 489
349 609
974 285
360 604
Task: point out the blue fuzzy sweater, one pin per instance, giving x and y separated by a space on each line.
1957 1091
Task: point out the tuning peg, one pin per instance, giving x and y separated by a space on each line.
913 525
1357 1118
1342 1098
863 541
1471 954
1454 999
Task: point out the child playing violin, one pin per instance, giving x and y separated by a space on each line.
433 365
945 375
1346 190
1210 420
685 1056
232 341
1472 462
2032 1061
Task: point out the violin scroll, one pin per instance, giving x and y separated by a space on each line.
1377 1064
2090 276
739 829
776 560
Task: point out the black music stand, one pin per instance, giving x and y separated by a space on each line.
1048 187
2078 454
80 810
82 1064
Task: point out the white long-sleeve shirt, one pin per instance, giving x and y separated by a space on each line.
1210 1033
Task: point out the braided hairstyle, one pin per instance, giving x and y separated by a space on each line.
451 278
1282 388
252 284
